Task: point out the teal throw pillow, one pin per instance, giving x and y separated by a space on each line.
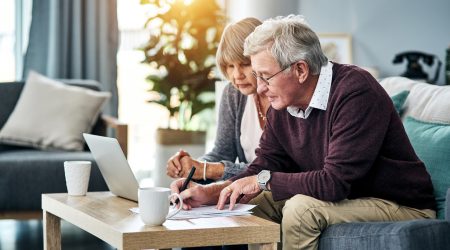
431 141
399 99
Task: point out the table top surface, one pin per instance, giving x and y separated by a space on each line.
109 218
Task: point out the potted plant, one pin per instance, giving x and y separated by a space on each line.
181 48
181 52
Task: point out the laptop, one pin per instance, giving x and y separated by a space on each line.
113 165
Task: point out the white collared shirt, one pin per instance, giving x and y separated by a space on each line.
319 100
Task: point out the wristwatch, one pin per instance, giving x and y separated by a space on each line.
264 178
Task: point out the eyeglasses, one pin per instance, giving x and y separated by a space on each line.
267 79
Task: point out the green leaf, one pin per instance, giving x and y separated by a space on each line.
186 39
198 106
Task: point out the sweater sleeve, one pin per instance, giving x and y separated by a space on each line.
226 144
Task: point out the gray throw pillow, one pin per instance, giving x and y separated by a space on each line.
52 115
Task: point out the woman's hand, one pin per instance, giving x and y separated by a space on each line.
186 164
174 165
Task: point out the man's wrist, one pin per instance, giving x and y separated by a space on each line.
263 178
268 186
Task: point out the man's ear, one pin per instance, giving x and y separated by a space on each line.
302 71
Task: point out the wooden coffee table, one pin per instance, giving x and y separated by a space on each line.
108 217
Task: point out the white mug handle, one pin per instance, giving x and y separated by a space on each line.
174 212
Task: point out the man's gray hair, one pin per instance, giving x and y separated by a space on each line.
288 39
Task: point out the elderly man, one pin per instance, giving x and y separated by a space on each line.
333 150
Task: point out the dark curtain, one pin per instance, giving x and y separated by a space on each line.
75 39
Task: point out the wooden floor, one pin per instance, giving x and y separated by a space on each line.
27 235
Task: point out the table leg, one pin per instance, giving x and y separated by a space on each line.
52 231
263 246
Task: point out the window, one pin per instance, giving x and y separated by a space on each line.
142 117
15 19
7 40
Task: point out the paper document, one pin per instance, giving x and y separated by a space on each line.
209 211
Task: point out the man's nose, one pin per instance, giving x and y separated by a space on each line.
261 87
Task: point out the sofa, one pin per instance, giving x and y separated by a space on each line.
26 172
426 117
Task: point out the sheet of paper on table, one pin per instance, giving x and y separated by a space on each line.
209 211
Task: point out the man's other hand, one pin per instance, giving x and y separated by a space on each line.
244 189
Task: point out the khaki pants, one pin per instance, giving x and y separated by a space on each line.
303 218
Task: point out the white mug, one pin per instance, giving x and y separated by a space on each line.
77 176
154 205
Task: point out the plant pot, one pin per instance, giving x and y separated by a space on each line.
170 141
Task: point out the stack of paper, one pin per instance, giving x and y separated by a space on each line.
209 211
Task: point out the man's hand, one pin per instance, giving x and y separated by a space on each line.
247 186
175 167
196 195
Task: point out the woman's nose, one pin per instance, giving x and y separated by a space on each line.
238 73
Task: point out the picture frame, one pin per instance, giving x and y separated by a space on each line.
337 47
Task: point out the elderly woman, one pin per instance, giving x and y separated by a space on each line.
242 114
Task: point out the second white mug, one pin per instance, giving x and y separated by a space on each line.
154 205
77 176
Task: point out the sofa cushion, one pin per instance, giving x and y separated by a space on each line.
428 102
425 102
26 174
407 235
396 84
52 115
431 141
399 100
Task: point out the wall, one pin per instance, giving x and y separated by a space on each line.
262 9
379 29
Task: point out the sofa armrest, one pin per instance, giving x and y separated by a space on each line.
121 130
447 205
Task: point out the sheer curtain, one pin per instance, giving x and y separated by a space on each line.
75 40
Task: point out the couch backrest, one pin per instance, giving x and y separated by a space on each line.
9 94
425 101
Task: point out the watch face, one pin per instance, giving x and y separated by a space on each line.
264 176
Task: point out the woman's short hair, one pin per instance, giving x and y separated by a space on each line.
288 39
231 46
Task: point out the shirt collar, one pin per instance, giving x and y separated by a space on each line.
319 99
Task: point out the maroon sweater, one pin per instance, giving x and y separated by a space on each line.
357 147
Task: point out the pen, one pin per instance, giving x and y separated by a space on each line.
186 182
